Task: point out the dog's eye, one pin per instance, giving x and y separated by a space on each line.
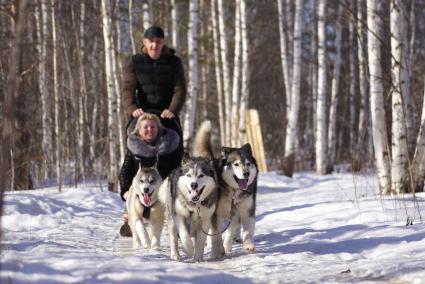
248 164
188 175
151 181
236 164
201 175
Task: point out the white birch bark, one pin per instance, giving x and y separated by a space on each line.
292 126
57 137
332 137
284 56
418 163
112 102
147 14
398 126
130 26
363 84
244 99
93 129
236 78
321 144
44 92
218 73
175 19
225 68
117 73
379 125
189 124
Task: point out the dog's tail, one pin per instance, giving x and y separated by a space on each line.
202 143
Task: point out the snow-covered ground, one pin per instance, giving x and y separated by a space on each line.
310 229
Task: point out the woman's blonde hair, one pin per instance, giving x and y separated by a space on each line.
147 116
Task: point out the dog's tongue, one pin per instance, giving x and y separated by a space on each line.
243 184
193 194
146 199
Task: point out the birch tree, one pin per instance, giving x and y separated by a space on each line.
292 126
398 126
379 125
112 101
130 26
225 69
193 71
147 14
321 162
57 137
245 71
236 77
175 19
353 78
335 89
218 72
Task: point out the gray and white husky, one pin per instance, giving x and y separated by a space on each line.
143 206
190 195
237 172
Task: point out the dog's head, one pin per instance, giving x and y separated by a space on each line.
239 168
146 183
198 178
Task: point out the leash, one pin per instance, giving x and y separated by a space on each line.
227 226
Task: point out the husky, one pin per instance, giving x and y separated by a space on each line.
237 173
190 195
143 206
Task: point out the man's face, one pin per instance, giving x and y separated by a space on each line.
154 46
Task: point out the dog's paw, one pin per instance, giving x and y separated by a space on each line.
199 258
136 245
175 256
155 247
249 248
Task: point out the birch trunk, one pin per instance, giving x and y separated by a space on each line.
284 56
353 79
332 135
361 149
321 162
245 72
379 125
45 99
130 20
236 78
292 126
193 71
112 102
58 142
225 68
418 163
175 19
218 73
398 126
147 14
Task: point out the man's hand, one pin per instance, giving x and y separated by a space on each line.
167 114
137 112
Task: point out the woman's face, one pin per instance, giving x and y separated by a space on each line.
148 130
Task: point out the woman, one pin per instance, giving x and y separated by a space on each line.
148 142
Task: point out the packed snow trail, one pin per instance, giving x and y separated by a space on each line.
310 229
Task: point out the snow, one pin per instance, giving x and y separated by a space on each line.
309 229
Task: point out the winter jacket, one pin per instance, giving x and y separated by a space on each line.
167 150
154 84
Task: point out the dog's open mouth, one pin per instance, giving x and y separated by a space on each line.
196 194
146 199
242 183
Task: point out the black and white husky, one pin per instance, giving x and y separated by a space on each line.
143 206
190 195
237 172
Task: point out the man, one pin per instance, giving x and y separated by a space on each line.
153 81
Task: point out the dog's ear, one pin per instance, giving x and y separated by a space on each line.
247 148
225 151
185 158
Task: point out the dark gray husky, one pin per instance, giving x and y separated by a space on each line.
237 172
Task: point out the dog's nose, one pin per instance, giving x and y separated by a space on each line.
146 190
194 185
246 174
